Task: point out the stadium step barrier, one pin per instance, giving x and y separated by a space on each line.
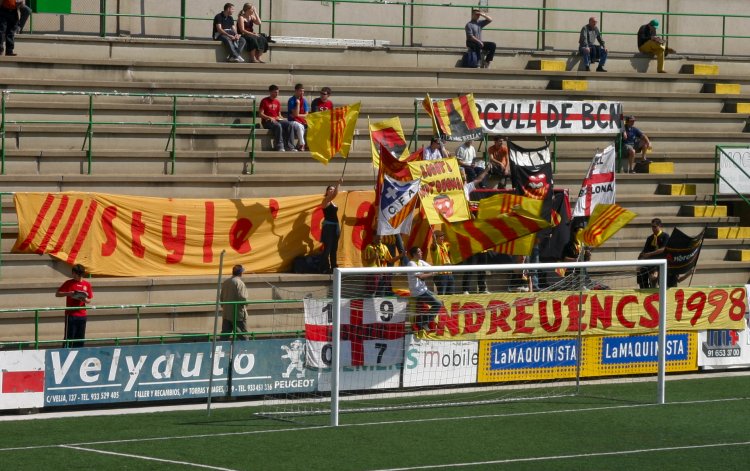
722 88
704 211
547 64
728 232
676 189
738 255
700 69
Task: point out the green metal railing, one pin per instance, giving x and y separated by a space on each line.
408 21
720 150
141 309
91 123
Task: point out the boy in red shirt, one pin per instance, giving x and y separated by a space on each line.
78 293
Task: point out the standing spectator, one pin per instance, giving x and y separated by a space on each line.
633 140
441 255
650 43
474 37
480 258
77 293
466 153
329 235
418 288
225 31
375 255
8 25
270 117
323 102
24 13
297 115
498 153
256 42
436 150
653 249
590 51
234 316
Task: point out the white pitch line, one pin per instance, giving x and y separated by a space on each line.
147 458
566 457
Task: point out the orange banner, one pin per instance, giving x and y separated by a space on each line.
120 235
560 313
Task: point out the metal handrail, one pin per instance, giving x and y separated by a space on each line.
407 22
139 308
91 123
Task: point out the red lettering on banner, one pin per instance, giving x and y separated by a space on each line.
651 306
83 232
68 227
239 235
522 316
574 302
362 225
499 313
601 313
40 217
473 317
137 229
53 224
717 298
110 244
556 314
619 311
695 303
315 223
739 304
208 232
448 321
273 206
174 242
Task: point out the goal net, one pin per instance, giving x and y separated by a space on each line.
524 331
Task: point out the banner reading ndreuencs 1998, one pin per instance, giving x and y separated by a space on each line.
175 371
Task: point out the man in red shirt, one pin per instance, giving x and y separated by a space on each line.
270 116
322 103
78 293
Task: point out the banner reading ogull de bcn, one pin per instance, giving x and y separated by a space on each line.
175 371
513 117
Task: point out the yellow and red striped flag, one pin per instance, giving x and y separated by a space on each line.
605 221
330 132
454 119
473 236
390 135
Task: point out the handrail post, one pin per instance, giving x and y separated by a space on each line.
2 133
36 328
183 14
716 172
333 19
138 325
252 137
173 134
723 33
554 153
102 18
90 132
403 24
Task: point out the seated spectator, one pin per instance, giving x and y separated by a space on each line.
270 118
8 25
256 42
633 140
465 154
474 37
436 150
297 109
498 153
225 31
322 103
590 51
650 43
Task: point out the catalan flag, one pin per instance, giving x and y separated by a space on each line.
475 235
505 202
390 134
454 119
605 221
330 132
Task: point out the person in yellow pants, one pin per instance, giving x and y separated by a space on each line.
650 43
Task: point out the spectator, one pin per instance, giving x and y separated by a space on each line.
376 254
270 118
466 153
8 25
499 159
648 277
441 255
234 316
418 289
574 250
297 115
225 31
650 43
77 293
592 52
322 103
436 150
480 258
256 42
633 140
474 37
329 235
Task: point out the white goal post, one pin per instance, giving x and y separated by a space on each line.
347 284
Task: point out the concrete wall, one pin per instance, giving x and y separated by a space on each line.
432 25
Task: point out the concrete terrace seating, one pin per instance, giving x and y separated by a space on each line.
683 121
